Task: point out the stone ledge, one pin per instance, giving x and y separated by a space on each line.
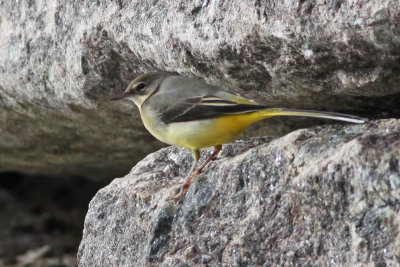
320 196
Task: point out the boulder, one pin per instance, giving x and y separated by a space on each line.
324 196
60 62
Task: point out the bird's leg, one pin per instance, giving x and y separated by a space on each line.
196 156
192 175
185 186
217 149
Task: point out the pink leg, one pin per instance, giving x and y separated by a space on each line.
191 175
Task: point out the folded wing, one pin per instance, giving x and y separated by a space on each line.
205 107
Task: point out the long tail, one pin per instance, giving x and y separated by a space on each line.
270 112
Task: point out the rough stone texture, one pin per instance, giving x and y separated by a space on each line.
61 61
326 196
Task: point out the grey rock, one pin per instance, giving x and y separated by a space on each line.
61 61
325 196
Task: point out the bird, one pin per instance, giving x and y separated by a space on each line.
193 114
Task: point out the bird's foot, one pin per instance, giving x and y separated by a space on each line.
188 181
183 191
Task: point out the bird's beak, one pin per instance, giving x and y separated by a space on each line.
121 96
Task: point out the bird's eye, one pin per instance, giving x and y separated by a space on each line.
140 86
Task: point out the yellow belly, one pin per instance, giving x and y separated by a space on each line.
202 133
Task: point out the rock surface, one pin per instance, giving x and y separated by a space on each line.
61 61
325 196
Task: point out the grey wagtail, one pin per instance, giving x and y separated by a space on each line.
190 113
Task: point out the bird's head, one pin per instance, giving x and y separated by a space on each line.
142 87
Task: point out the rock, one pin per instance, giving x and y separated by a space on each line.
324 196
60 62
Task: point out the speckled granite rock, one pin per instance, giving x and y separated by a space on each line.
326 196
61 61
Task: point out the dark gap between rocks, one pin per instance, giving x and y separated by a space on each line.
41 218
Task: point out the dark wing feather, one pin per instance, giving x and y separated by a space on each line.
206 107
